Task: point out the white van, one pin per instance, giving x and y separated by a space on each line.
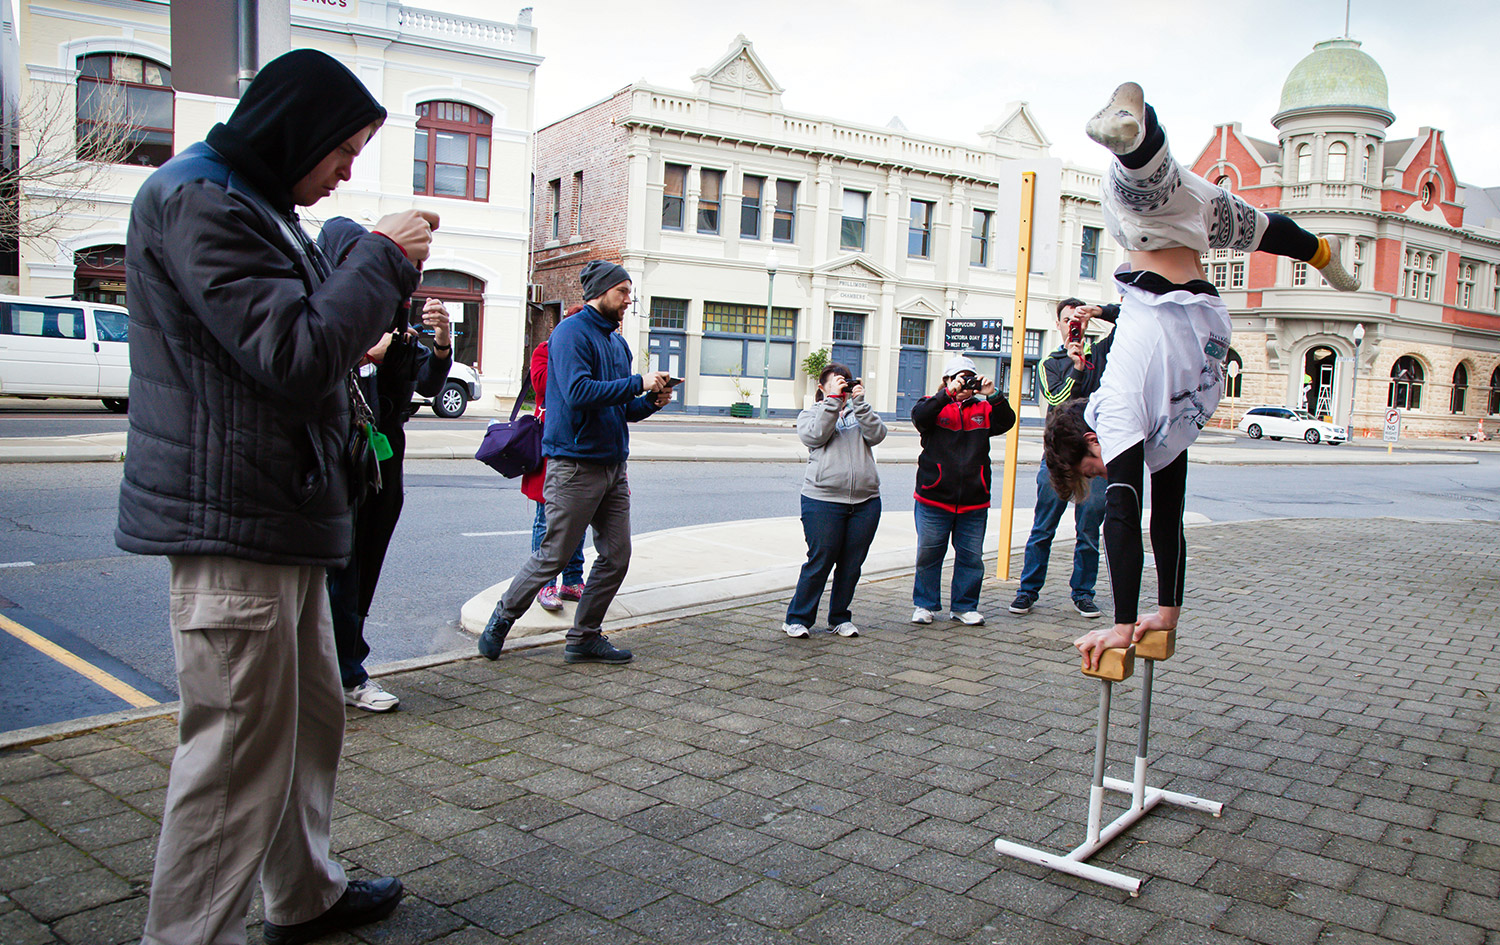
64 348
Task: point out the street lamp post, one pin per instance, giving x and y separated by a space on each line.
1359 337
765 377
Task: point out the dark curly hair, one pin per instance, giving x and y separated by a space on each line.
1064 447
833 367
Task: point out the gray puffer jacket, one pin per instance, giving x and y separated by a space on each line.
240 340
838 436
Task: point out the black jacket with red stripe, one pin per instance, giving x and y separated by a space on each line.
953 472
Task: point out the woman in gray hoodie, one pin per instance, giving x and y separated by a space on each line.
840 499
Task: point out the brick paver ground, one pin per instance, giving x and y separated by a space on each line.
1335 686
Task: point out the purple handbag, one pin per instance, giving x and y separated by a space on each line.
513 448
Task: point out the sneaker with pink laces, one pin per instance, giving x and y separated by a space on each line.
571 592
548 598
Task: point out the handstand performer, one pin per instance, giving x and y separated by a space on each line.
1166 366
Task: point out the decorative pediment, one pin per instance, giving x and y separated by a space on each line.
854 267
1018 127
740 68
918 307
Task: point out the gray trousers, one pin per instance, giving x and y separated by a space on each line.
259 735
578 495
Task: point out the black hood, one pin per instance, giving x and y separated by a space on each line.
299 108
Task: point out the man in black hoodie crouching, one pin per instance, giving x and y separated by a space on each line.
241 339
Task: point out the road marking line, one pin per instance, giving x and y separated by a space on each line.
524 531
18 564
77 664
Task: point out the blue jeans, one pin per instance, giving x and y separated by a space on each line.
935 528
1086 519
838 536
572 572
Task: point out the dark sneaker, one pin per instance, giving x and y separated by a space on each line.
364 901
1022 603
1086 606
493 638
595 649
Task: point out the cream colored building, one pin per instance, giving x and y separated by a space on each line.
881 236
459 93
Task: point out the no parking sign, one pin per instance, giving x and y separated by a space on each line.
1392 425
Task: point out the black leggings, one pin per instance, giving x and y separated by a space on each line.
1122 530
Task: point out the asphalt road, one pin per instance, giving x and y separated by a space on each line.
465 528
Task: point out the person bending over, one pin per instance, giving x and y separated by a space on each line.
1166 366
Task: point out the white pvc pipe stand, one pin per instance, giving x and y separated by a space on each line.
1142 800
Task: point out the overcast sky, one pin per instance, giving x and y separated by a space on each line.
948 67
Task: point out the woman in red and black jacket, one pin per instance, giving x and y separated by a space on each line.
953 487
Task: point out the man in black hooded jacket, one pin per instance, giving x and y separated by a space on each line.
241 337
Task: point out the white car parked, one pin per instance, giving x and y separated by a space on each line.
1281 422
64 348
461 387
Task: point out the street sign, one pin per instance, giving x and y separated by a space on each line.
1392 431
973 334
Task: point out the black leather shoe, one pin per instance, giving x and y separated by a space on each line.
493 638
595 649
366 900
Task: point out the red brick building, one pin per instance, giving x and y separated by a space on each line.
1425 246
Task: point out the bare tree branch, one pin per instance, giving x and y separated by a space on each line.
64 164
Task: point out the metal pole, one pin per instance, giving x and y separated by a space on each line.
765 378
1353 379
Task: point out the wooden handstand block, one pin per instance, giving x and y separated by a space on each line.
1157 644
1115 664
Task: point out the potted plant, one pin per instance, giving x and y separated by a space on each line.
815 362
742 408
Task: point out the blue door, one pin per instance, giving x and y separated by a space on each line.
911 366
668 351
849 342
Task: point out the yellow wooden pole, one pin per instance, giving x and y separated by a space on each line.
1017 367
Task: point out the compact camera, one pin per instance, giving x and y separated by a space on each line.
1075 330
972 383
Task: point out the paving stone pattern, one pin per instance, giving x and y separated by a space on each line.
1334 687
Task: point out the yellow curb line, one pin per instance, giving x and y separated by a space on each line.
77 664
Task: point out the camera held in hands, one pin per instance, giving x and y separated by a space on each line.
1075 330
972 382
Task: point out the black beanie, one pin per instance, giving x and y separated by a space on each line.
297 110
599 276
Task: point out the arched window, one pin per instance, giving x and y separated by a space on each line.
1495 392
1406 384
1304 163
124 109
1460 389
451 154
99 274
1338 161
1234 374
463 296
1367 172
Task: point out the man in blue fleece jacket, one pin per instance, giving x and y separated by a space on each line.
591 396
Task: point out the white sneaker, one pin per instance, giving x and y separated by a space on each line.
921 615
846 629
1334 272
971 617
794 630
369 696
1121 125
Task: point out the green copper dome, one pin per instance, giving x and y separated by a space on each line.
1335 73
